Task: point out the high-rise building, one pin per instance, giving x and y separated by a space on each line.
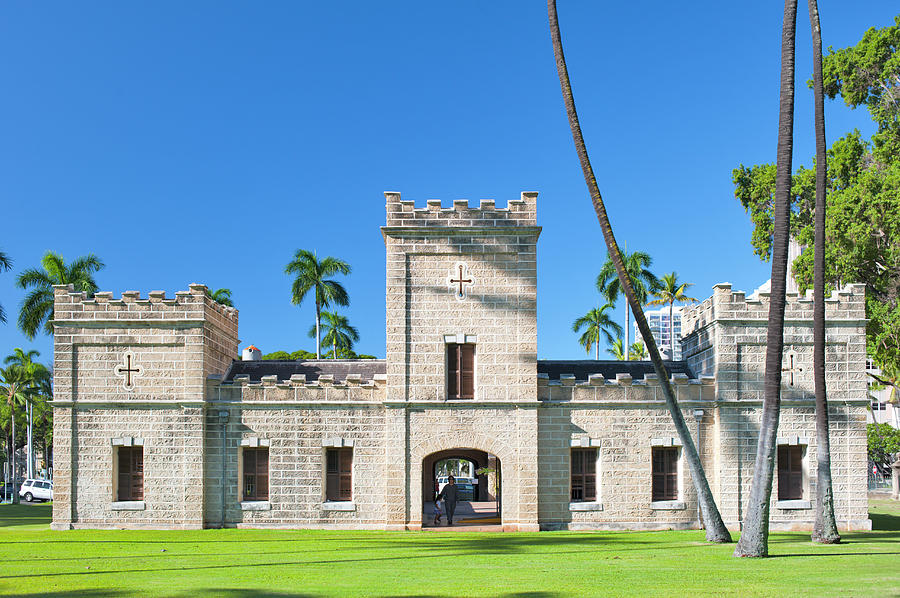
659 326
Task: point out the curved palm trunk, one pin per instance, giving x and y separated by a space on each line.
825 527
715 527
754 540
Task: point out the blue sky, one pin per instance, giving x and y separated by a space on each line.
206 141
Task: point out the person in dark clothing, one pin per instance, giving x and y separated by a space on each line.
449 494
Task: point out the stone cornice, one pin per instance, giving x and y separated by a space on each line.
444 231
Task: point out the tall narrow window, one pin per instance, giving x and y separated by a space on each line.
790 472
131 473
584 475
460 371
256 474
339 474
665 473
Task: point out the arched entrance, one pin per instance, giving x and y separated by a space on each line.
478 473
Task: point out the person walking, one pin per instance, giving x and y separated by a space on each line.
449 494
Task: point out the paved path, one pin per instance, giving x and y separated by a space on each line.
467 514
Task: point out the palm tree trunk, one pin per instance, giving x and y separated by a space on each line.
715 527
12 469
598 346
627 316
671 332
318 315
825 527
334 349
754 540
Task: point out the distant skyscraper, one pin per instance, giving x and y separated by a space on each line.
659 326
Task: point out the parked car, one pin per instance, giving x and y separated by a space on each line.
36 490
465 487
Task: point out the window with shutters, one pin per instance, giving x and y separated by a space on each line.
790 472
460 371
584 475
665 473
130 473
339 474
255 474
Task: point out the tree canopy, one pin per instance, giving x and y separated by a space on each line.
863 201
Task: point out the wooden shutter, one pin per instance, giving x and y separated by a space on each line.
131 473
584 475
665 473
790 472
467 371
256 474
339 474
452 371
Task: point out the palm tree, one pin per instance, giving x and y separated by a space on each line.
643 281
637 351
222 296
338 332
617 350
36 374
715 527
310 274
754 541
669 291
14 388
596 321
5 264
825 527
37 308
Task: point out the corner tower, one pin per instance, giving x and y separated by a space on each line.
461 300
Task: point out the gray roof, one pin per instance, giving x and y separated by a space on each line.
312 368
368 368
582 368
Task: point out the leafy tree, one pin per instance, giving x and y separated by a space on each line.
643 281
754 540
5 264
37 308
637 351
883 443
715 527
596 321
825 526
311 274
670 291
338 333
222 296
37 378
617 350
862 231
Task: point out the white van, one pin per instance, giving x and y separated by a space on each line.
36 490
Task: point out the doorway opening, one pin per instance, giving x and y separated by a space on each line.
478 478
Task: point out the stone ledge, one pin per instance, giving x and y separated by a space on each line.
793 504
667 505
585 506
338 506
127 505
256 505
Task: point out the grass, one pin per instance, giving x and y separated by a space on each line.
239 563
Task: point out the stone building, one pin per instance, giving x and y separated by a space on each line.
157 426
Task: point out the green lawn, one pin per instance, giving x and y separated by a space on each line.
237 563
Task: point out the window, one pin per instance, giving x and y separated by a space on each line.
790 472
878 406
339 474
460 371
131 473
256 474
665 473
584 475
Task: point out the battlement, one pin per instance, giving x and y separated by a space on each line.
847 303
298 389
190 304
519 212
624 388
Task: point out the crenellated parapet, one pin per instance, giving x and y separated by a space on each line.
403 213
623 389
725 304
298 389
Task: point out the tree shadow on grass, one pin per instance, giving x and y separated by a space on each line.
24 514
883 521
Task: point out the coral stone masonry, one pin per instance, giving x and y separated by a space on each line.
159 424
